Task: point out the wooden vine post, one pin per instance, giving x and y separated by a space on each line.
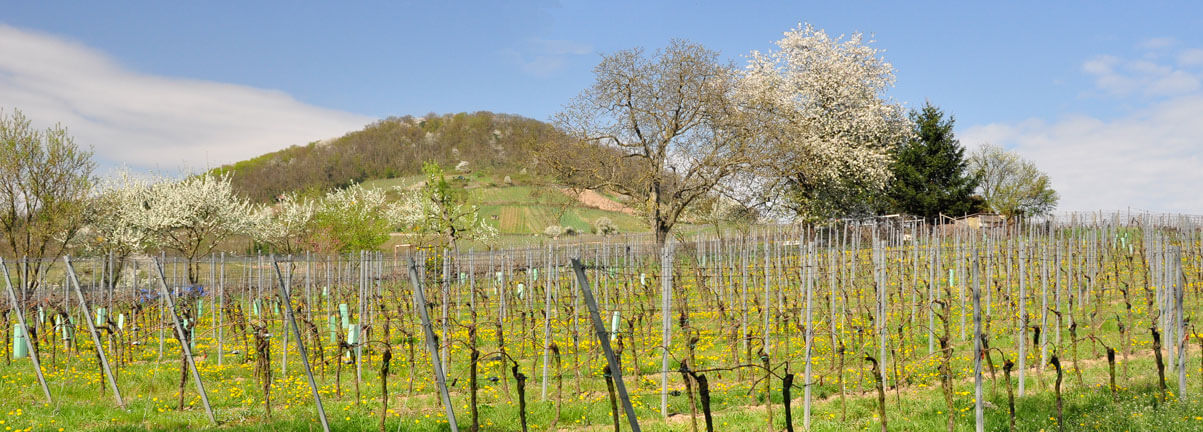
33 353
431 346
296 331
87 311
600 330
666 285
183 337
978 352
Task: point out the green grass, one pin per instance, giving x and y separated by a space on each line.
534 218
626 223
149 389
522 209
514 195
150 384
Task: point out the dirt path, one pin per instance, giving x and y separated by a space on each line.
591 198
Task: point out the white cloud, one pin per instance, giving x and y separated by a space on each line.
1158 43
1147 159
1191 57
1118 77
152 122
545 57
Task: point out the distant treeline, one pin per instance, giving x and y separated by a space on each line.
395 147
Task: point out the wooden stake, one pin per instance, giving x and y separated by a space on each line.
296 331
439 377
33 354
600 330
179 331
87 311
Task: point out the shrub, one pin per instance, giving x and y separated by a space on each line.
604 226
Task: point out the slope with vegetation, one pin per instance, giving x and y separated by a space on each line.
516 194
527 204
394 147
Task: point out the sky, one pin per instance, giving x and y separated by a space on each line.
1105 97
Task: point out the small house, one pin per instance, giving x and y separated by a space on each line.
981 220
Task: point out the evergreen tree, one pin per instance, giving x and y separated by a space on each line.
931 175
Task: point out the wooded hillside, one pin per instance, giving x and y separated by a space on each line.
394 147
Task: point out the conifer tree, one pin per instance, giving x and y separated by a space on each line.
931 174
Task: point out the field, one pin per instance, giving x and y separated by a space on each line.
525 207
877 319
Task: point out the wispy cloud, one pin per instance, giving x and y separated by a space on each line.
1158 43
1149 158
1191 57
545 57
1122 77
152 122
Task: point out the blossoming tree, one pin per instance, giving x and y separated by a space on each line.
350 219
819 105
115 219
287 226
442 210
194 215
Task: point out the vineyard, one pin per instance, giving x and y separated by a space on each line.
1086 322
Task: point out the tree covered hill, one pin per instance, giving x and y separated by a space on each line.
395 147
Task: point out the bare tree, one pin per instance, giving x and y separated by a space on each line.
1012 185
45 179
662 129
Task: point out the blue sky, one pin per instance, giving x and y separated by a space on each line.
1104 96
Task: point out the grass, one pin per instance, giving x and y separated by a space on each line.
150 383
149 390
522 209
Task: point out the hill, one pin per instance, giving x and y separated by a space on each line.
394 147
390 153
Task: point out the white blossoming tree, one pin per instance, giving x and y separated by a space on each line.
287 227
819 102
115 220
194 215
441 210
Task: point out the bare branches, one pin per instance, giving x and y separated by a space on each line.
1012 185
661 129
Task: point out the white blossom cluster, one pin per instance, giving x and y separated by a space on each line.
287 224
821 102
351 217
115 218
357 203
193 215
132 214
